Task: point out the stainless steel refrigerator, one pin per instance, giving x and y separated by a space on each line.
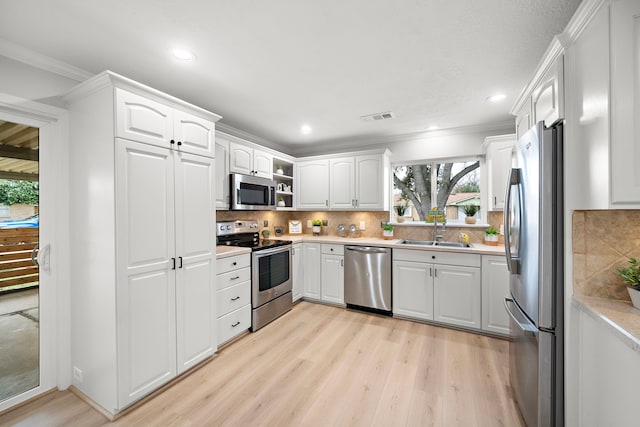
533 219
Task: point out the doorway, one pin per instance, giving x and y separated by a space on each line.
19 270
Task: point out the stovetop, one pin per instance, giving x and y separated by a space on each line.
245 234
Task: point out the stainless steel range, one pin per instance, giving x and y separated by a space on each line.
270 269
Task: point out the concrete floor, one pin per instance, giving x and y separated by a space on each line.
19 342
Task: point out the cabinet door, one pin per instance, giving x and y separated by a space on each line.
333 278
495 287
145 276
298 271
625 103
312 270
524 121
195 253
240 159
143 120
222 174
370 182
547 99
193 134
499 156
312 191
456 292
342 186
413 289
262 164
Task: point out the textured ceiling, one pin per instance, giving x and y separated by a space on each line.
270 66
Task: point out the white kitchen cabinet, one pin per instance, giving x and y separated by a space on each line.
412 290
456 295
439 286
233 296
143 288
359 182
139 118
285 182
625 103
250 161
332 274
547 99
312 189
297 260
312 261
222 172
524 118
495 287
499 154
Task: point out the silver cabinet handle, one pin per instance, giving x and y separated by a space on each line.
326 203
435 272
430 272
356 203
235 298
342 263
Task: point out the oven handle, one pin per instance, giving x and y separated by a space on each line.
265 252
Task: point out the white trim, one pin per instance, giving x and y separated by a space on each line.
43 62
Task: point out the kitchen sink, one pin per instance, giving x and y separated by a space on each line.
432 243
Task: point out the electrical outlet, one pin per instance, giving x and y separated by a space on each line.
309 223
362 225
265 223
325 222
77 374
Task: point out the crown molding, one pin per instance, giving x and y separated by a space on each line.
43 62
247 136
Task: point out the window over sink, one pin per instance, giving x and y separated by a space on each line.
451 187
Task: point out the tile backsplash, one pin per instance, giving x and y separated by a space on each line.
602 242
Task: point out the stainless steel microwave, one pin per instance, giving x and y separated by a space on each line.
252 193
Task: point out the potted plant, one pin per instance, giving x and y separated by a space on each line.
631 276
265 233
281 201
317 227
400 210
470 211
279 170
387 231
491 236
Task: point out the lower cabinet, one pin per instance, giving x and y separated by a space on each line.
456 295
298 270
412 290
233 296
495 287
312 261
332 289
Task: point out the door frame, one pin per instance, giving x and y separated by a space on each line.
54 286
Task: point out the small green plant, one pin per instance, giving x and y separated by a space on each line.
400 209
491 231
631 274
387 227
278 167
470 210
316 222
280 199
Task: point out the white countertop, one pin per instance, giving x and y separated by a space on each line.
476 248
227 251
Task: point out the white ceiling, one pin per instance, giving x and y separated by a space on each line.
270 66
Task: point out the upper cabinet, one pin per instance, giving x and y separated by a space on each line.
249 161
283 176
625 102
499 152
222 172
547 99
357 182
140 118
524 120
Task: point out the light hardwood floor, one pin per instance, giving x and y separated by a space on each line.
324 366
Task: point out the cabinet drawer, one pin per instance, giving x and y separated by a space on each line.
232 263
332 249
435 257
232 298
234 323
233 277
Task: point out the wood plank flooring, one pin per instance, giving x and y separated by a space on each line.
323 366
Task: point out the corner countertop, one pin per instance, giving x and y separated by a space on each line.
227 251
476 248
620 317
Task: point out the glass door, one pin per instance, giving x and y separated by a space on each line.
19 271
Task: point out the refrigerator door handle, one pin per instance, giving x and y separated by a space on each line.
514 180
528 329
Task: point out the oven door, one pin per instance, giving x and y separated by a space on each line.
271 274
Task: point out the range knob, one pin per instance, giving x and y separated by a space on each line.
222 228
228 227
253 225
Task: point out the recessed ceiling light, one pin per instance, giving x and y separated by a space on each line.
496 98
305 129
433 127
184 54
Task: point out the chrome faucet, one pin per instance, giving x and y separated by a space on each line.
437 237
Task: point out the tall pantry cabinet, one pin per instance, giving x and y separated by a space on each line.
143 242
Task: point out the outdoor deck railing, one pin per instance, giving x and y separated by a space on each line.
16 251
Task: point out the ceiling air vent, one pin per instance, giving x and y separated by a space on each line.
378 116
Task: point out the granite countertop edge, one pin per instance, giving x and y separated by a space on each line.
620 317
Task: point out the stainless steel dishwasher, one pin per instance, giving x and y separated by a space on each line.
367 278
